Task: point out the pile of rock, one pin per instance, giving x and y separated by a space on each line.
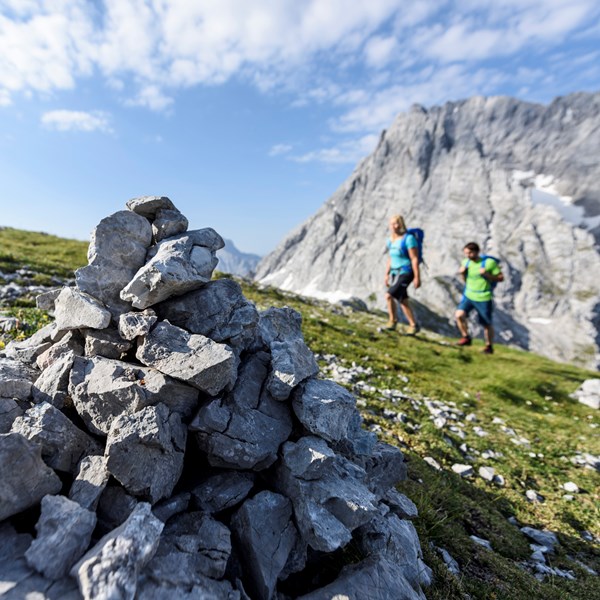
169 441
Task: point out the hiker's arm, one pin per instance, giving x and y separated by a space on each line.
491 277
413 254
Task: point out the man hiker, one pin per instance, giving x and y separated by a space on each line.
480 274
402 268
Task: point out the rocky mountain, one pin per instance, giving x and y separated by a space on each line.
521 179
232 260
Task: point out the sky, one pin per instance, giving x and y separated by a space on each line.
248 114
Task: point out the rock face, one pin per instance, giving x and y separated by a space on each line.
236 262
515 177
200 455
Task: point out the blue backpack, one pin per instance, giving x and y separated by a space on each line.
484 257
418 234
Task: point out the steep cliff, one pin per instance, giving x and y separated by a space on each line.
521 179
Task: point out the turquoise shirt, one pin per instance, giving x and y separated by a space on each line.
400 263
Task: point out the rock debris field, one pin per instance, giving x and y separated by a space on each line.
164 439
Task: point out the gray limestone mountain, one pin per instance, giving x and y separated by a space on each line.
236 262
521 179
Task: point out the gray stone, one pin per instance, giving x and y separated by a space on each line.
463 470
481 542
541 537
450 562
53 384
92 477
309 458
588 393
374 578
145 452
117 250
172 506
207 589
28 350
13 567
168 223
385 467
110 569
222 491
292 361
46 300
486 473
218 310
148 206
9 411
245 428
16 379
72 341
114 507
63 444
265 534
175 266
64 531
136 324
102 389
192 358
26 479
75 309
192 546
400 505
107 343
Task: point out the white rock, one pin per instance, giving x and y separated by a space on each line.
486 473
485 543
463 470
571 487
433 463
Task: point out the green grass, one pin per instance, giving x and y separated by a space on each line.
47 254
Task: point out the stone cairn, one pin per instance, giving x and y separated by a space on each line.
168 441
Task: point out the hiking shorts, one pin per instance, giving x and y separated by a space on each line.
400 283
484 309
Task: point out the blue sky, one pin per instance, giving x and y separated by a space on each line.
248 114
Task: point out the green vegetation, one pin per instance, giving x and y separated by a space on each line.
46 254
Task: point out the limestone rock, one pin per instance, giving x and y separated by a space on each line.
64 531
195 359
63 444
175 266
588 393
400 505
28 350
145 452
16 379
110 569
148 206
168 223
385 467
72 341
223 490
218 311
172 506
107 343
75 309
9 411
293 362
53 384
92 477
265 534
118 248
114 507
26 479
102 389
245 428
136 324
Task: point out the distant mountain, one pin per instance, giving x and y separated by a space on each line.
232 260
521 179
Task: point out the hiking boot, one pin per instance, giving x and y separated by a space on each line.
464 341
413 330
390 326
488 350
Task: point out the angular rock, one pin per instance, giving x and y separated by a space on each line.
192 546
9 411
137 324
385 467
541 537
265 534
16 379
62 443
292 361
103 389
148 206
28 350
168 223
400 505
110 569
53 384
206 589
46 300
176 265
309 458
222 491
114 507
486 473
26 479
195 359
117 250
75 310
72 341
64 531
92 477
463 470
106 342
245 428
172 506
218 310
145 452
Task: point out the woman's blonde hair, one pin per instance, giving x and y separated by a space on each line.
399 219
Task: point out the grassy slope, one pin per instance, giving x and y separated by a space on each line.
529 392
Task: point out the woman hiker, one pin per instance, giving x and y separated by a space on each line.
402 269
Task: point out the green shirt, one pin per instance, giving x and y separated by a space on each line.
477 287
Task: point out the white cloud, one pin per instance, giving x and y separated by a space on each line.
279 149
152 97
378 50
73 120
349 151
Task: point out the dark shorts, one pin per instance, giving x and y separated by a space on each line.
400 283
484 309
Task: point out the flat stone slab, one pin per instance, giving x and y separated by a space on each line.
106 342
53 384
16 379
28 350
75 310
90 481
195 359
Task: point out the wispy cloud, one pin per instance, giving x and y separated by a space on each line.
279 149
348 151
72 120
